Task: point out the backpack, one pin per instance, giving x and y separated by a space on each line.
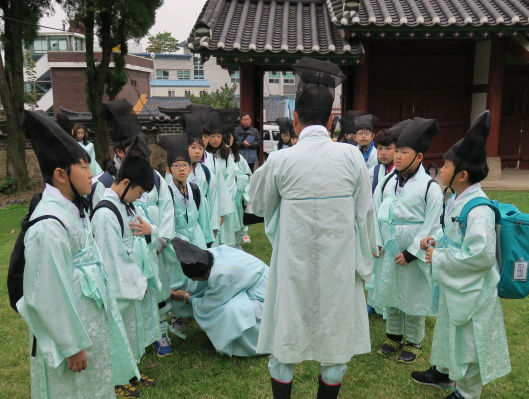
394 173
207 172
512 252
110 205
17 262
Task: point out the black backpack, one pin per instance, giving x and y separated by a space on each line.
17 262
110 205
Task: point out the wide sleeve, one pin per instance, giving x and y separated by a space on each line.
49 305
126 278
213 199
166 209
265 197
243 178
225 200
365 238
467 273
377 201
432 220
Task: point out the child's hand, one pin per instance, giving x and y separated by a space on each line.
178 295
141 228
400 260
221 220
429 253
379 252
77 362
426 241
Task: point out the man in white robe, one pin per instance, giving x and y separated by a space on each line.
321 227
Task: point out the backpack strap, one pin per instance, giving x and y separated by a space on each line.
196 194
110 205
387 180
27 225
375 177
474 202
156 180
207 172
428 188
172 192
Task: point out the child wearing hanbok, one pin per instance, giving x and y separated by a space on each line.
128 245
364 135
79 344
407 207
285 134
469 342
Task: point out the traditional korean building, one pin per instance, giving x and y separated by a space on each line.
444 59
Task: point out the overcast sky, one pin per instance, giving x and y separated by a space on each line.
175 16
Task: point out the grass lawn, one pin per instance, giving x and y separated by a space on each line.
196 371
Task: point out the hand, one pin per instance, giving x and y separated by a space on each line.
77 362
221 220
427 241
178 295
377 255
429 253
246 143
400 260
141 228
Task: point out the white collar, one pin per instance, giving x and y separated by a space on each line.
56 193
467 192
112 193
311 129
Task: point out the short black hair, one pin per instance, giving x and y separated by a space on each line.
245 114
117 180
476 173
198 270
385 137
309 117
193 140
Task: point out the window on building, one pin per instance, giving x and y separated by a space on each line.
58 43
171 93
198 67
203 92
288 78
187 93
183 74
79 44
235 77
162 74
273 77
40 45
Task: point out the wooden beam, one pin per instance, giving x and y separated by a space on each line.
495 93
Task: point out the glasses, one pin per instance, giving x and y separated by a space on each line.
180 166
365 133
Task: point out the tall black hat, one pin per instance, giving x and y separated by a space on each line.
334 123
137 169
318 79
229 117
200 109
64 122
52 145
285 125
347 122
123 124
193 125
176 146
213 123
419 133
399 127
472 149
365 122
189 254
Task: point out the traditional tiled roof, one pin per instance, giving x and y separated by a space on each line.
270 26
153 104
430 13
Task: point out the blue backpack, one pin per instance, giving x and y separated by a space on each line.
512 253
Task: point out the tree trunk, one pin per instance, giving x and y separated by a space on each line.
12 95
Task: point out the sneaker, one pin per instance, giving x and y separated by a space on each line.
389 346
178 324
127 391
410 352
144 381
239 247
433 378
163 347
455 395
246 239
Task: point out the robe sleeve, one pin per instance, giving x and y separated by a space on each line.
49 305
213 199
225 201
166 209
365 240
433 210
204 219
265 197
465 273
126 279
377 200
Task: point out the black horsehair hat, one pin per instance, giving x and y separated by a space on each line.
137 169
472 149
176 146
418 134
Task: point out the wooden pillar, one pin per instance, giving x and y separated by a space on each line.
361 84
258 91
348 89
495 93
246 80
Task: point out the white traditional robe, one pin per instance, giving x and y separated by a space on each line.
68 307
469 326
321 227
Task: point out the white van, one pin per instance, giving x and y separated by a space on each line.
270 139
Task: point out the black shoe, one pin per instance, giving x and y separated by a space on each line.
326 391
433 378
410 352
281 390
127 391
455 395
390 346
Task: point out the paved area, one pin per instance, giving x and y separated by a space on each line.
511 179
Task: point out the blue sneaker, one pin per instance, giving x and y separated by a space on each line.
370 310
163 347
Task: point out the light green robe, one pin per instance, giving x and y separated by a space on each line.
94 166
210 192
227 189
469 326
131 272
403 220
321 227
68 307
242 179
